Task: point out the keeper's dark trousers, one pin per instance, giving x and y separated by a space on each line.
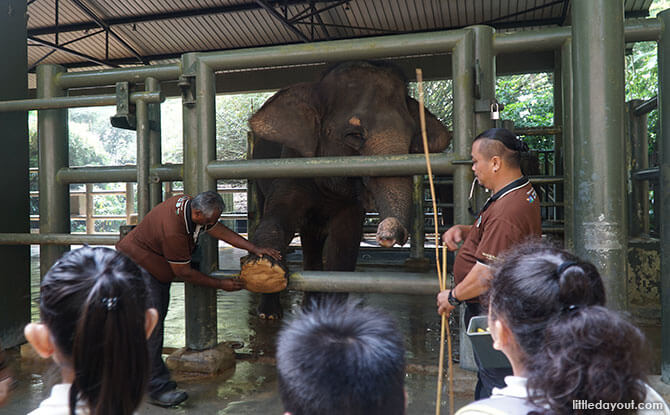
159 379
486 378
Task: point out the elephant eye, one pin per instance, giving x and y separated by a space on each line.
354 137
354 140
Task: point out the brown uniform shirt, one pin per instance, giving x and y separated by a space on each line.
165 235
508 220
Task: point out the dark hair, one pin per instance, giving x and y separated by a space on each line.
208 202
504 144
93 300
571 346
341 358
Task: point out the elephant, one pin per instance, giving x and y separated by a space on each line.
355 108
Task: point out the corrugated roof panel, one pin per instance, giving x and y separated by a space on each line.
258 27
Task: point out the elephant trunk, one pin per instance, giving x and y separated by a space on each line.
392 196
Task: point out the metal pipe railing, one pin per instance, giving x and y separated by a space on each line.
333 51
650 174
647 106
361 282
114 174
74 102
394 165
56 239
552 39
112 76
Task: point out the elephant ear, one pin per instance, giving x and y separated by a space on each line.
438 135
289 118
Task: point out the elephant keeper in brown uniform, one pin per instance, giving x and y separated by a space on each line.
162 243
509 216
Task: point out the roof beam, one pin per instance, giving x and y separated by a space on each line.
178 14
100 22
73 52
34 65
265 6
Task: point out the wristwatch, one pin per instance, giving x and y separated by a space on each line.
453 300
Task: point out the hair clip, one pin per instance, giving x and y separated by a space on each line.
110 302
564 265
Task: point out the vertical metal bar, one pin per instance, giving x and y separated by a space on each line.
90 209
143 167
568 144
558 138
52 133
130 203
639 159
253 198
15 298
199 150
485 62
484 55
416 251
664 187
463 69
601 233
155 156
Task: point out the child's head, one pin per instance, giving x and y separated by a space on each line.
95 321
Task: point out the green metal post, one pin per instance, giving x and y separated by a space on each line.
143 161
15 279
601 234
639 159
155 156
418 234
253 197
485 88
199 150
664 187
52 133
463 64
568 145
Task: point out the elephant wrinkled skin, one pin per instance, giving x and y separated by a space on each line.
356 108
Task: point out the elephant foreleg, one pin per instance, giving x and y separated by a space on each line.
340 252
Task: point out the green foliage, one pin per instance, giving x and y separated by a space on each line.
438 99
232 113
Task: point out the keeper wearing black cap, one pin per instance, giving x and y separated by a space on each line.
509 216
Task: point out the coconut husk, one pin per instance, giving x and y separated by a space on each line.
263 275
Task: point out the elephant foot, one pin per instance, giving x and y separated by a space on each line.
270 307
263 275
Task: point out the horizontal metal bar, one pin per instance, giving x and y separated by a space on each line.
82 193
76 101
136 75
545 179
99 217
647 106
333 51
395 165
361 282
116 174
56 239
553 38
650 174
537 131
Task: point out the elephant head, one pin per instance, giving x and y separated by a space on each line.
356 108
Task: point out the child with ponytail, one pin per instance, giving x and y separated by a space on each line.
547 315
95 322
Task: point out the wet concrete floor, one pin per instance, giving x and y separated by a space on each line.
251 387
